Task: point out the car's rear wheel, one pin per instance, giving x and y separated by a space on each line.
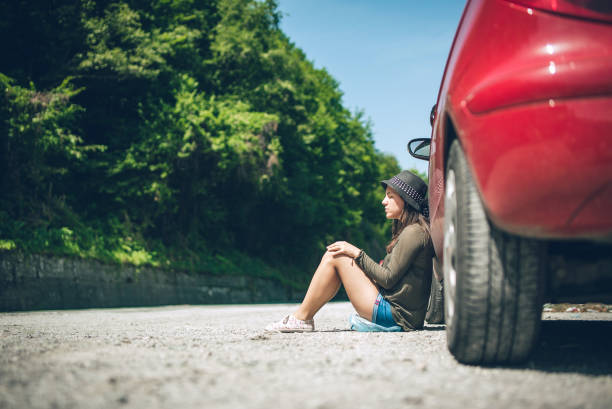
492 280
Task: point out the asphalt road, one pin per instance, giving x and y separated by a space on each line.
219 357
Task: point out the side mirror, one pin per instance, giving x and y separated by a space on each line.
419 148
432 114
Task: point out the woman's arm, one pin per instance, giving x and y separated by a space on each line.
410 243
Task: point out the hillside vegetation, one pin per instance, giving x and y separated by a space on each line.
188 134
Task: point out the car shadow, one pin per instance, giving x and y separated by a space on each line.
567 346
573 346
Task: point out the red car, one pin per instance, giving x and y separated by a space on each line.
520 170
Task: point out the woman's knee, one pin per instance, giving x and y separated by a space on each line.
328 258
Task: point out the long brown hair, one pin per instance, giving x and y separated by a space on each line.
409 216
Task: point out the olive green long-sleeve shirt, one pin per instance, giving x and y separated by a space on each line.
404 278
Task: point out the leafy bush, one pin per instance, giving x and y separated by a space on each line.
190 134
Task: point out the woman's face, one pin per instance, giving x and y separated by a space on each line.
393 203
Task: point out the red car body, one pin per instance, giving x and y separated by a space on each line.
520 172
528 92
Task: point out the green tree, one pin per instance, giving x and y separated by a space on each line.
189 132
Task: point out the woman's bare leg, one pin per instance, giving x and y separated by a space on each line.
325 283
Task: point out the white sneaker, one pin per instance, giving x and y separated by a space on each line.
291 324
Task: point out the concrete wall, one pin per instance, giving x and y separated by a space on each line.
31 282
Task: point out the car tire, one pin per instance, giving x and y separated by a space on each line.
435 308
492 279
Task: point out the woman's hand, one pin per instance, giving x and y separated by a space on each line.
343 248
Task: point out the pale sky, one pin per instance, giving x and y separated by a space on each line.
388 57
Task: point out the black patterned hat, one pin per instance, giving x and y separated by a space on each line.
411 188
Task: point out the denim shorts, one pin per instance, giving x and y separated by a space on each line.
381 314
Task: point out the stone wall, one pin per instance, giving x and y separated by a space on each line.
32 282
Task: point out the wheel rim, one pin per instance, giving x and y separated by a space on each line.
450 246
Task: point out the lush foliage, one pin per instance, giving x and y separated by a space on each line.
189 133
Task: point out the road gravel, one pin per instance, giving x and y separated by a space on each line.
219 357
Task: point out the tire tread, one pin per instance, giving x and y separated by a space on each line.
498 293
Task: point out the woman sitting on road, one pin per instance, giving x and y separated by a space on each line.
391 296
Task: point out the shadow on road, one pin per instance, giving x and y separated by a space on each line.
574 346
335 330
